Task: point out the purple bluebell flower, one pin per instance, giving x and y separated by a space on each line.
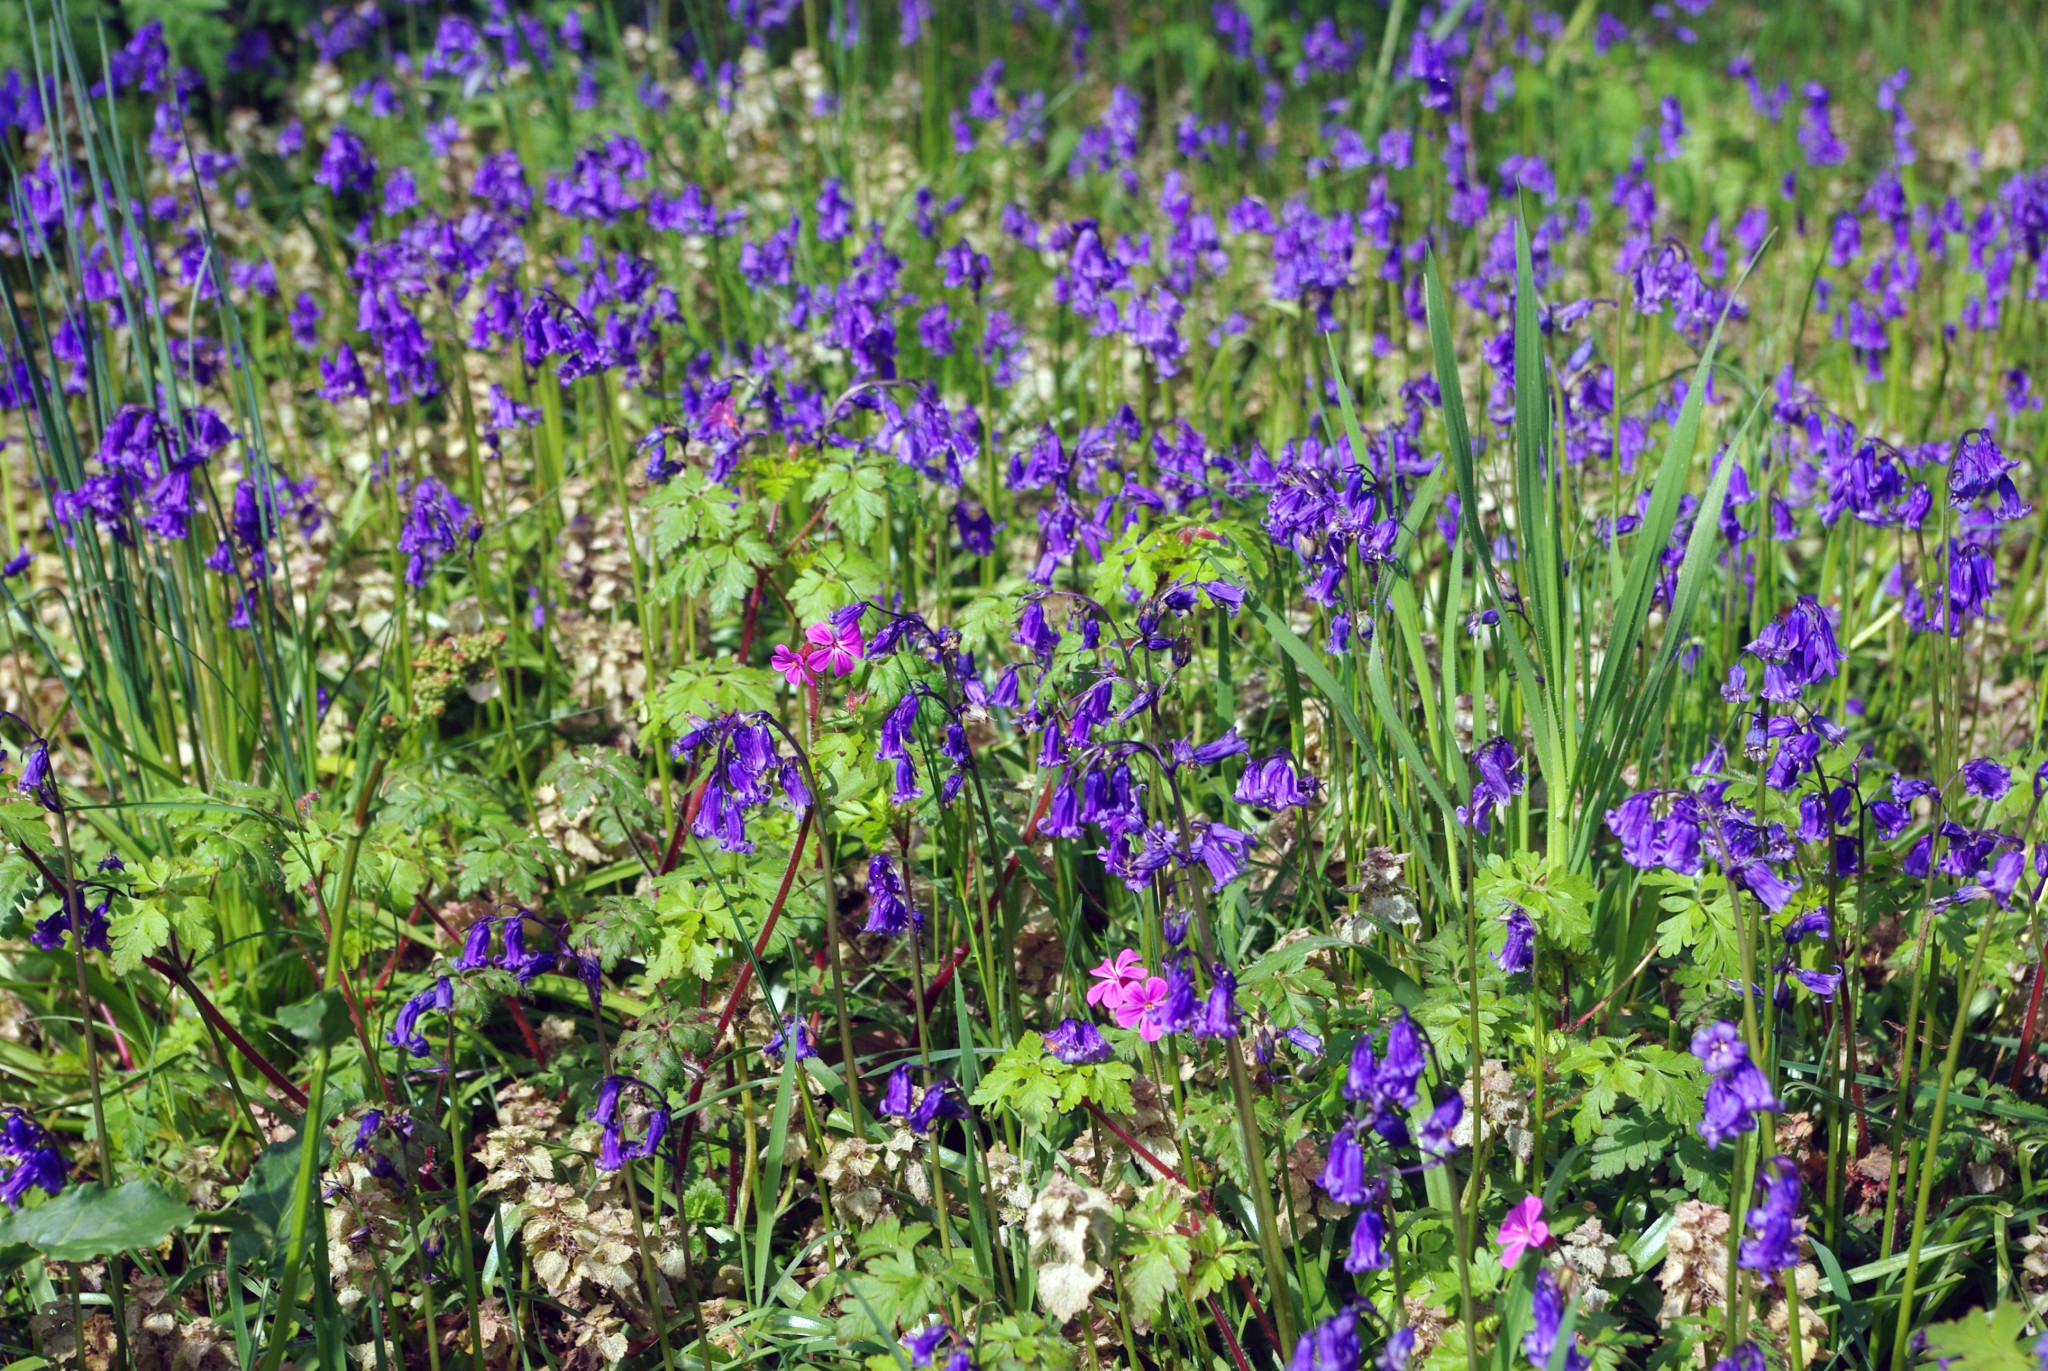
890 912
1272 783
792 1035
613 1151
405 1030
37 1164
1986 779
437 524
1343 1176
38 778
1500 779
743 762
1775 1225
1518 953
1546 1319
1368 1251
1077 1042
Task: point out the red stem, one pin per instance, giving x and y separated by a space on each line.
1144 1154
1223 1326
2019 1066
176 975
739 989
127 1062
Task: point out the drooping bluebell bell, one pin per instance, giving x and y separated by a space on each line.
1775 1226
1546 1319
1500 778
1272 783
792 1035
1343 1177
37 1164
1077 1042
438 523
38 778
1437 1136
1518 953
405 1030
890 912
742 764
613 1151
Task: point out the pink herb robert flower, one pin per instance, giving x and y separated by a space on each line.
1522 1230
840 649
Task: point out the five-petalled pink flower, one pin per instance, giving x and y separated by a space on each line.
1522 1230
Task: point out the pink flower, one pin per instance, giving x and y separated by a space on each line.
795 666
1114 978
1137 1008
1522 1229
837 648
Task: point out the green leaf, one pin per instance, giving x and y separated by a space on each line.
144 929
320 1021
90 1220
1983 1341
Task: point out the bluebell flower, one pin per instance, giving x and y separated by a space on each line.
1077 1042
1744 1356
1775 1226
1546 1319
792 1035
1986 779
1435 1137
890 912
1368 1250
1272 783
405 1030
613 1151
1518 953
1500 779
1343 1177
37 1163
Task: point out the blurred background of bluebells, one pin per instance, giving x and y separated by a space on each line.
491 824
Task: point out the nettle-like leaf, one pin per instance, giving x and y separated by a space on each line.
1173 551
165 896
1666 1084
602 786
831 579
419 799
25 824
707 541
691 919
1037 1086
1628 1142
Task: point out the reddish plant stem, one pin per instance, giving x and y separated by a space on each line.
176 975
397 950
1229 1338
1144 1154
120 1043
739 990
944 976
2026 1056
